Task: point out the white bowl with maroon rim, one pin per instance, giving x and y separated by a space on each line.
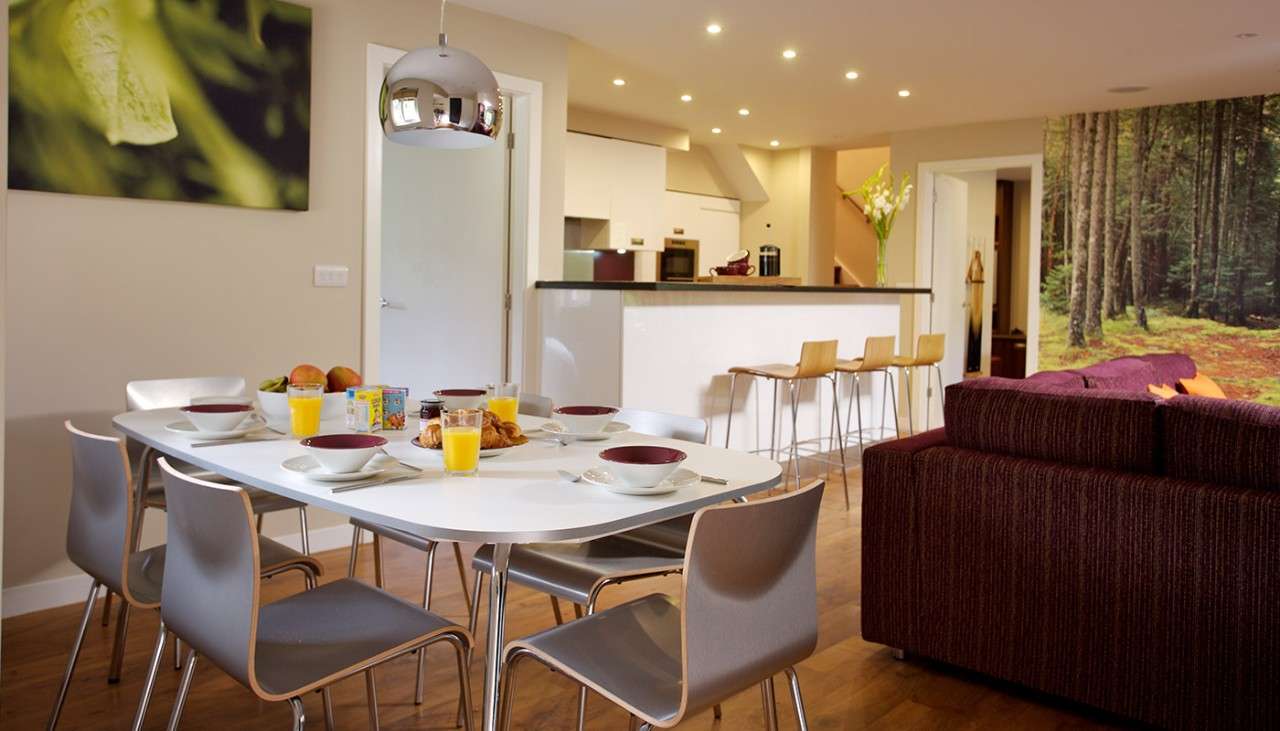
584 419
217 417
462 398
640 465
343 453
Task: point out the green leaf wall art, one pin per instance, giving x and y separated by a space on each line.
182 100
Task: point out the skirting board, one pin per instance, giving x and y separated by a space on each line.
39 595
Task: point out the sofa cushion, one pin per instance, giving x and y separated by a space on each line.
1201 385
1227 442
1061 379
1170 367
1022 418
1120 374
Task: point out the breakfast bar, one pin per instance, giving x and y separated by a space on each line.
670 345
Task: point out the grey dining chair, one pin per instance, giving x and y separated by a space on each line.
168 393
748 611
99 532
578 572
283 650
531 405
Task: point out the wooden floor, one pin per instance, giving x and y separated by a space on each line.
847 684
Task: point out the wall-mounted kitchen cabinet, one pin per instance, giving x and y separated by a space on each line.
619 182
715 223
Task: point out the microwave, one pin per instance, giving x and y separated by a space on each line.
679 261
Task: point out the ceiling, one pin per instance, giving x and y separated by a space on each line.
971 61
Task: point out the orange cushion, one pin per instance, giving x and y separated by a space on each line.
1201 385
1163 391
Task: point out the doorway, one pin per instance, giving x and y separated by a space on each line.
450 248
980 267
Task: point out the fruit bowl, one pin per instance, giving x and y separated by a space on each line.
275 407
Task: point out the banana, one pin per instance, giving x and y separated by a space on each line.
275 385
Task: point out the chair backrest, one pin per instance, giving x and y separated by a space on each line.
531 404
101 516
878 353
750 606
168 393
930 348
210 593
671 426
817 358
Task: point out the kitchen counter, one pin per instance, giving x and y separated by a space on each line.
709 287
668 346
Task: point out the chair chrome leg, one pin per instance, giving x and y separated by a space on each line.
911 417
494 638
716 713
149 685
305 533
106 608
728 426
299 714
795 437
327 699
893 399
555 609
472 621
356 535
770 706
857 399
426 604
371 690
75 655
117 646
184 687
582 690
774 424
461 649
794 681
177 653
462 574
377 561
844 468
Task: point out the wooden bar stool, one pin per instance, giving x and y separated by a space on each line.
877 357
929 351
817 360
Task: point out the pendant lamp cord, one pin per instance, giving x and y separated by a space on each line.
443 36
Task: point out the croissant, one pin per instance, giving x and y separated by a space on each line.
494 433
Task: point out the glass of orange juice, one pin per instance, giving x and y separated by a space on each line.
504 401
305 403
460 433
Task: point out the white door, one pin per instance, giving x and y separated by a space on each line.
445 278
950 260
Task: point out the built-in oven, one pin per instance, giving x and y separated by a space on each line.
678 261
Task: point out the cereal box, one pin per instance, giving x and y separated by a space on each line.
393 407
364 408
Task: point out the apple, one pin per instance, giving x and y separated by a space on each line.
305 374
341 378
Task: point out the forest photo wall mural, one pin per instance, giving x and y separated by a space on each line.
1162 234
181 100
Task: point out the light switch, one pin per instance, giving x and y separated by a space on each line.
329 275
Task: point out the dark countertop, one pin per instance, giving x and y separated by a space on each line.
697 287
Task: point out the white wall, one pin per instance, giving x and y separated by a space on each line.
713 221
1020 286
102 290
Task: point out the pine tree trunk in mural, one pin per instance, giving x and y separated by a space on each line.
1137 251
1215 200
1112 251
1081 132
1244 235
1197 219
1097 193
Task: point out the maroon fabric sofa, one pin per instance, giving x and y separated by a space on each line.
1073 534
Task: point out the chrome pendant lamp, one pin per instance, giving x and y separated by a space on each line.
440 97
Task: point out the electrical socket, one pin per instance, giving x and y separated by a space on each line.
329 275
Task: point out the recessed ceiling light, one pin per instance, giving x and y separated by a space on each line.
715 130
1246 36
774 143
1127 89
744 111
714 28
686 97
851 75
619 82
904 93
789 54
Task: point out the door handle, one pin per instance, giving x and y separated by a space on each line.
386 304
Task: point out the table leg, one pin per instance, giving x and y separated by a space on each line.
494 640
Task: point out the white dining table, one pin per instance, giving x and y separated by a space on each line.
517 497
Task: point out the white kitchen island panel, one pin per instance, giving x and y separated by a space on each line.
670 347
